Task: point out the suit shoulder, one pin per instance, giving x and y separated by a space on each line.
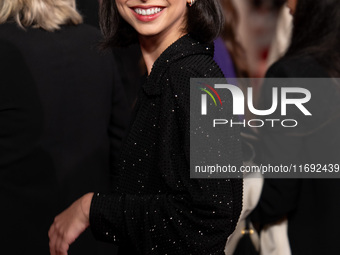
8 52
88 29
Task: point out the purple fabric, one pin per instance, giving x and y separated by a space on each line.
223 59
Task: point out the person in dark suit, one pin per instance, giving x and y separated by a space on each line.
62 113
89 11
312 206
156 208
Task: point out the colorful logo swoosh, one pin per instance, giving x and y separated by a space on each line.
214 91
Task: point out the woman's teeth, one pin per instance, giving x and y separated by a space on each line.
146 12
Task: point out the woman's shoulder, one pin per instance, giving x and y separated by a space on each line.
192 66
184 59
297 67
196 66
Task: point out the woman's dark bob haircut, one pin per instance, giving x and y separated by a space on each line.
205 22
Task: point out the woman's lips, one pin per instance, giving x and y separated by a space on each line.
147 14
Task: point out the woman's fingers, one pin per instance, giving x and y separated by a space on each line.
61 235
57 246
61 246
59 241
68 225
53 237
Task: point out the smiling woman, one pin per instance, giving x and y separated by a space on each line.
204 20
155 207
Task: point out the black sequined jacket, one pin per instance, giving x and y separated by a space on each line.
156 208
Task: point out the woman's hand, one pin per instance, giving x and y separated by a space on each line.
69 224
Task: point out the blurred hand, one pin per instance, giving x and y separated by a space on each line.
69 224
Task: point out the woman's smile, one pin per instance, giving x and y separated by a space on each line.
147 13
155 17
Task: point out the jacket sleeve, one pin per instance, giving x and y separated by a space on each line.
195 217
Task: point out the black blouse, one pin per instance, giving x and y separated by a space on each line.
156 208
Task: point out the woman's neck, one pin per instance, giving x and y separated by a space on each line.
153 46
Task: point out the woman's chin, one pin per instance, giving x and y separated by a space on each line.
148 32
